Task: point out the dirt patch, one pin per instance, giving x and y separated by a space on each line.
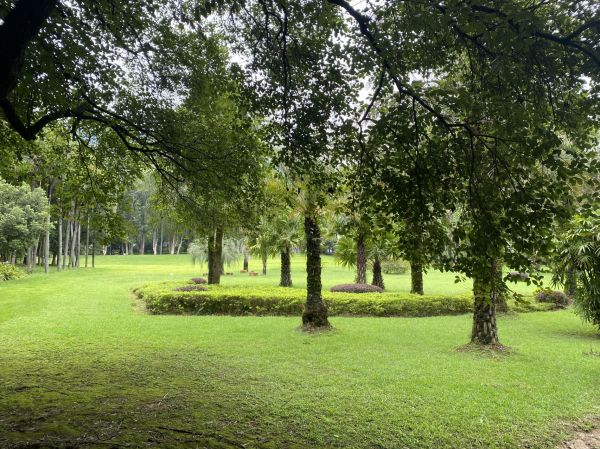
583 440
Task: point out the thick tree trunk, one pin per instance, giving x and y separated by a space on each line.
315 310
571 283
501 300
21 24
286 268
485 331
416 278
361 259
142 243
377 274
215 250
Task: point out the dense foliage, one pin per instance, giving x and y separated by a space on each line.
580 250
23 217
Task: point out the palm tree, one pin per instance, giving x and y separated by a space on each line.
262 241
288 234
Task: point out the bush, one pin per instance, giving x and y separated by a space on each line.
198 280
547 295
394 267
190 288
9 272
161 299
356 288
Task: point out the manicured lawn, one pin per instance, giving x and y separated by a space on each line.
82 366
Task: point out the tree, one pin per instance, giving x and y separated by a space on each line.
288 235
23 219
579 251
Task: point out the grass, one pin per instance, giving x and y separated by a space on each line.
81 365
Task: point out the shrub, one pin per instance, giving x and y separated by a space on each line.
190 288
161 299
9 272
356 288
555 297
198 280
394 267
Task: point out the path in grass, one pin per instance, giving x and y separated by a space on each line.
80 366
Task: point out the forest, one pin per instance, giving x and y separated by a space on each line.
276 223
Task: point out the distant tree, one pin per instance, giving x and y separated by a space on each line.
23 220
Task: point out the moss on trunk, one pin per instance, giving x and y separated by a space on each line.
485 297
315 310
377 275
215 250
361 259
286 269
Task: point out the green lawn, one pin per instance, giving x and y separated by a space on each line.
82 366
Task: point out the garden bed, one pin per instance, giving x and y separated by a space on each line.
161 298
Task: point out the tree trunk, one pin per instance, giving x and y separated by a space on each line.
571 282
78 250
484 331
245 259
67 241
161 238
416 278
60 241
501 300
179 244
361 259
47 234
377 275
215 250
28 259
155 241
87 240
142 242
93 253
172 244
73 244
315 310
286 269
265 256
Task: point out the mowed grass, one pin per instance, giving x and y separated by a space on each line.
82 366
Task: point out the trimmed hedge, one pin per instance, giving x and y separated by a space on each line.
356 288
198 280
217 300
9 272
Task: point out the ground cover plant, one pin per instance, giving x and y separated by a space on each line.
80 365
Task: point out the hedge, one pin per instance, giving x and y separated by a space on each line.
217 300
